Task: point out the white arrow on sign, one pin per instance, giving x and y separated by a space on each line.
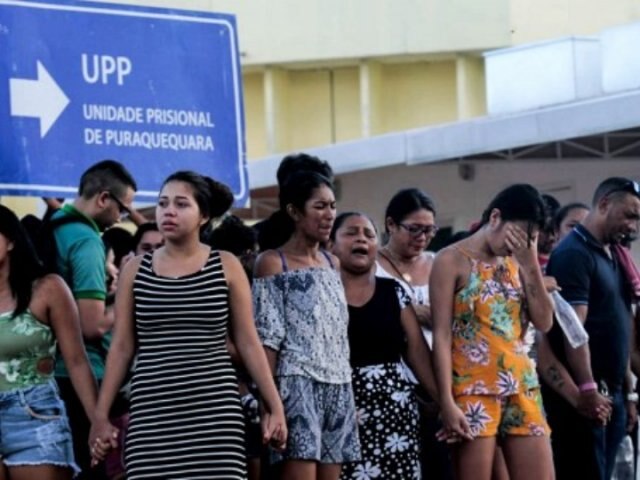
41 98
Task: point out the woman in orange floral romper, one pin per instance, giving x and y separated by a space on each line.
484 291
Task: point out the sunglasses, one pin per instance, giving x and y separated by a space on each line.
629 186
417 230
122 208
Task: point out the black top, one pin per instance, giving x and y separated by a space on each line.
375 331
589 276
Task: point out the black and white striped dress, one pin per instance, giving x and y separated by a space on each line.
186 416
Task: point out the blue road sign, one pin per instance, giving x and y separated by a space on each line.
159 90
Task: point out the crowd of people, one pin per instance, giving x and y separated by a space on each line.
313 345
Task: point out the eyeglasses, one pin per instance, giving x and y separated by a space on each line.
417 230
122 208
630 186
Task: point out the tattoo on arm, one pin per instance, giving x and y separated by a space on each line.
555 377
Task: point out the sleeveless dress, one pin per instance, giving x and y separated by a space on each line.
186 416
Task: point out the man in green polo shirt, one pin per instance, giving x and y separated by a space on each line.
104 196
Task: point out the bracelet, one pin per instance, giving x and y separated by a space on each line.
587 387
632 397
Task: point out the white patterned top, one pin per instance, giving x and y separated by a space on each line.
302 314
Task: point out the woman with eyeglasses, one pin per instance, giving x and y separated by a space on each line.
409 227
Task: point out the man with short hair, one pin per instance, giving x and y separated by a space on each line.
586 434
104 198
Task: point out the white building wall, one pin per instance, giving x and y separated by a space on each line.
461 202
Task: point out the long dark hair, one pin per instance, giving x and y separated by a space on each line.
274 231
213 198
296 190
520 202
24 265
405 202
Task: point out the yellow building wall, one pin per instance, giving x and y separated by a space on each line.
417 94
316 107
23 205
544 19
254 114
310 120
346 104
470 87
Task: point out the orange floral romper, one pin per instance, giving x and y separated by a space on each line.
494 381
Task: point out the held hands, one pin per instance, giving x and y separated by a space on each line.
455 425
594 405
274 427
102 438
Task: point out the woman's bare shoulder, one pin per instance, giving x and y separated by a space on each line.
268 263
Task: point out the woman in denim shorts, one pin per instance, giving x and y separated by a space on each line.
37 312
301 315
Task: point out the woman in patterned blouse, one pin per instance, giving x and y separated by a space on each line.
301 316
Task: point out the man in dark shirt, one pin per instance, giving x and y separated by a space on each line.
592 281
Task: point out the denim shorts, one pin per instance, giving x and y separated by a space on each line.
34 429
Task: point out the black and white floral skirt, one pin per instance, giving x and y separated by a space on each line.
388 424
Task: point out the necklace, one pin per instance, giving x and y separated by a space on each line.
387 254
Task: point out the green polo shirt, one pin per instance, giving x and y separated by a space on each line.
81 262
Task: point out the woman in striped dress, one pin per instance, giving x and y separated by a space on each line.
174 305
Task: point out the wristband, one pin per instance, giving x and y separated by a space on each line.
587 387
632 397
